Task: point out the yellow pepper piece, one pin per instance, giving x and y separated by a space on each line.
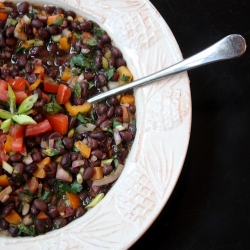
83 148
40 172
34 85
64 44
125 75
75 110
66 74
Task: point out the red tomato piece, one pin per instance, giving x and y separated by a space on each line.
16 132
20 96
59 123
18 84
38 129
49 85
3 91
3 155
63 94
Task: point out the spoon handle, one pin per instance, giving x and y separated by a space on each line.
227 48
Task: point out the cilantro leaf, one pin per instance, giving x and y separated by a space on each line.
125 78
98 31
116 123
77 90
90 41
109 73
59 144
53 107
83 119
28 230
64 187
46 196
79 60
51 152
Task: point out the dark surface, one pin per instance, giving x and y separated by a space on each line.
210 205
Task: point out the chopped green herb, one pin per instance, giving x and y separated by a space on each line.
125 78
83 119
110 72
53 107
28 230
90 41
79 60
75 71
116 123
64 187
77 90
58 21
46 196
51 152
98 31
12 22
91 85
77 35
59 144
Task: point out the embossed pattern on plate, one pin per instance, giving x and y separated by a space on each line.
163 128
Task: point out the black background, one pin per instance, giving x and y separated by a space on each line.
210 205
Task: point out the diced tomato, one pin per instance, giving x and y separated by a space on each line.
3 155
16 132
20 96
63 94
38 129
18 84
3 91
46 96
59 123
50 86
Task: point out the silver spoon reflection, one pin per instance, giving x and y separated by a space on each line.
227 48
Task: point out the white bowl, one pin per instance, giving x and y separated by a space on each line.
163 130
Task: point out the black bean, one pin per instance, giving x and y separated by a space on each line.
38 117
95 163
2 23
66 160
21 61
85 26
53 212
72 122
49 9
73 170
43 33
115 77
74 25
40 227
52 29
60 52
2 41
23 7
132 129
98 135
30 168
52 48
115 52
11 42
4 225
30 142
83 195
34 210
52 135
98 153
59 222
92 143
98 61
102 109
10 31
89 76
132 109
88 173
111 112
19 167
120 62
53 72
101 119
106 125
70 13
68 142
40 205
122 155
78 101
119 119
36 23
16 157
36 156
7 210
78 136
105 38
118 111
80 211
13 230
112 61
106 170
58 10
51 170
32 78
126 136
29 67
113 101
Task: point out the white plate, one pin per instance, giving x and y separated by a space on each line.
163 129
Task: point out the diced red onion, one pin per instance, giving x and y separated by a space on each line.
78 163
26 208
80 78
96 188
85 51
82 129
104 89
93 158
51 143
26 20
113 85
27 220
110 178
44 144
63 175
66 32
28 159
117 137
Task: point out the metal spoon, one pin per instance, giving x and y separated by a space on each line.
227 48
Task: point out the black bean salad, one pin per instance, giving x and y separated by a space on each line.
59 155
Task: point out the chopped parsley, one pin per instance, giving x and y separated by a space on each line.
80 60
125 78
77 90
63 187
